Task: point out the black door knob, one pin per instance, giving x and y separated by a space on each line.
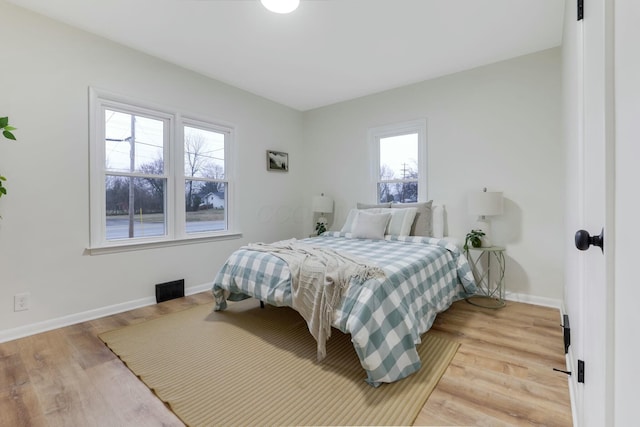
584 240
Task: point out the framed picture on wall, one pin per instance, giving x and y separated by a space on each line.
277 161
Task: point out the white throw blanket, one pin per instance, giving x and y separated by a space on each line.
318 278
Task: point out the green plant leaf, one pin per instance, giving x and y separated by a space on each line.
8 135
4 121
9 128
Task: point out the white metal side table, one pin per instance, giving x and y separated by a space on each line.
487 266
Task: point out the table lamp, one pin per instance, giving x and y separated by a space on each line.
483 204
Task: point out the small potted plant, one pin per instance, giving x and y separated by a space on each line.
475 238
321 226
6 128
6 132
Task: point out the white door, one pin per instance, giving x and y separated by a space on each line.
587 81
627 206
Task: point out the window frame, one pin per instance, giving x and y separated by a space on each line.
375 134
173 161
228 172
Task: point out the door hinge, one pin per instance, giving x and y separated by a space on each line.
581 371
567 332
580 9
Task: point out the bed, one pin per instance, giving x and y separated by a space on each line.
385 316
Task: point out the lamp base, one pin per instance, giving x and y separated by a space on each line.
484 225
321 224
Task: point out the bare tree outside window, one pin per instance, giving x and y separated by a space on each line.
138 169
205 184
398 179
134 184
194 162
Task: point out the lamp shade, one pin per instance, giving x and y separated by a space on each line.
485 203
281 6
322 204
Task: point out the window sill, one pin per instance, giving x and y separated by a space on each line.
137 246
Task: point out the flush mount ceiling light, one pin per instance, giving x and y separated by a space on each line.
281 6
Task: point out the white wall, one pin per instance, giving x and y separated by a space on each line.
46 70
497 126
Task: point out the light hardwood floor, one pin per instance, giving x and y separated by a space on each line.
501 376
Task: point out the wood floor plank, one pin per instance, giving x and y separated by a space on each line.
502 375
445 409
18 403
131 402
507 387
85 349
503 372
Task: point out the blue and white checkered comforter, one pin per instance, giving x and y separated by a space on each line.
384 317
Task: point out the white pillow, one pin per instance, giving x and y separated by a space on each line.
370 225
351 216
348 223
399 224
422 224
401 221
437 212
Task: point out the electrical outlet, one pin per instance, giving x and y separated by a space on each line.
21 302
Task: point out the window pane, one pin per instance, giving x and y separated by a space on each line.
399 157
398 192
135 207
203 153
133 143
205 206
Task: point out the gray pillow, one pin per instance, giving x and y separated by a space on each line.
371 206
423 222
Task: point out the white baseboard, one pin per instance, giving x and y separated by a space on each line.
60 322
532 299
199 288
72 319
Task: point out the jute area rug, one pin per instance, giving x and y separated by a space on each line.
252 366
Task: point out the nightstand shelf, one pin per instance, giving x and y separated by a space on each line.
487 266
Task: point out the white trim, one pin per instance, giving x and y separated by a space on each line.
535 300
60 322
374 135
72 319
228 134
174 122
139 245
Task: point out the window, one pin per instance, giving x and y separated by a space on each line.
399 162
139 163
134 179
205 184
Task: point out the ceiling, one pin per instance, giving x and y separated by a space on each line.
326 51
